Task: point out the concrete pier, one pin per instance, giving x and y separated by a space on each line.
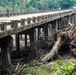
32 41
25 40
17 44
39 29
46 31
6 48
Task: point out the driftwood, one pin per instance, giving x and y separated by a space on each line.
64 36
19 69
57 45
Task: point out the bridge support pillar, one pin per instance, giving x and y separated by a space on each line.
25 40
72 19
35 33
39 29
6 47
17 44
50 31
57 25
53 24
62 23
46 32
32 40
75 19
69 18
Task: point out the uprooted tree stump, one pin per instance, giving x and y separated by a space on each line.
63 36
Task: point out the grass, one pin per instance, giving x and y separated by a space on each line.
33 71
57 68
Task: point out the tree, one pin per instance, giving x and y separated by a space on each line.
64 4
23 5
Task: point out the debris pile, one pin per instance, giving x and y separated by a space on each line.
66 36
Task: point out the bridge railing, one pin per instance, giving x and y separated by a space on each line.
21 13
7 14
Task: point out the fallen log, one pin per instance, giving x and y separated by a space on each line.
60 39
53 51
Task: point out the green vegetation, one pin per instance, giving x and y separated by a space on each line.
54 68
64 4
34 5
33 71
64 68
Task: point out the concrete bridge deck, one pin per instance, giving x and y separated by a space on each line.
14 24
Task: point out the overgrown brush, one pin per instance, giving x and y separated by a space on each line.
59 68
33 71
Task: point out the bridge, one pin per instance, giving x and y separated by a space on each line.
29 24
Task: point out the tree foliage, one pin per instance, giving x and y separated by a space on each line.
34 5
64 4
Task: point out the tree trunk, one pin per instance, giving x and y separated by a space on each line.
54 50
